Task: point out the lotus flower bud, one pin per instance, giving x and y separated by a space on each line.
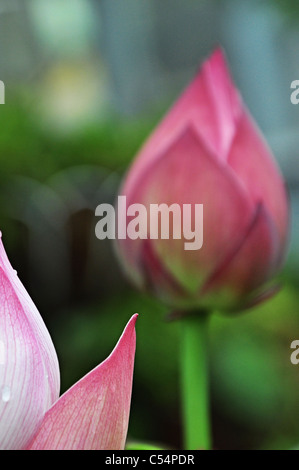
207 151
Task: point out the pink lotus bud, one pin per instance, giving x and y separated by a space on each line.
208 151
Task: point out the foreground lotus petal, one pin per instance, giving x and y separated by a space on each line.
29 371
94 413
208 151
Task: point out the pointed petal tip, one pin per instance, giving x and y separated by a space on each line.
217 58
133 319
128 330
94 413
218 53
130 326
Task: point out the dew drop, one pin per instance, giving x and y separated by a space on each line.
5 394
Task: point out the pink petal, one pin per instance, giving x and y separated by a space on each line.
189 174
157 279
211 102
251 160
247 268
94 413
218 105
29 372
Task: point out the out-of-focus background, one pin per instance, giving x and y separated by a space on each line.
86 82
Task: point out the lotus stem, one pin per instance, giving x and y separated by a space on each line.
195 382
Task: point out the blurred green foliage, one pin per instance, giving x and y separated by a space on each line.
29 149
290 8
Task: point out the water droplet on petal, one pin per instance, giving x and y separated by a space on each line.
5 394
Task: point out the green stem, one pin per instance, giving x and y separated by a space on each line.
195 388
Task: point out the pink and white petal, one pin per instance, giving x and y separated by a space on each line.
29 373
38 328
252 161
248 268
94 413
211 102
23 374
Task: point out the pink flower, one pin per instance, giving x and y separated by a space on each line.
207 150
93 414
